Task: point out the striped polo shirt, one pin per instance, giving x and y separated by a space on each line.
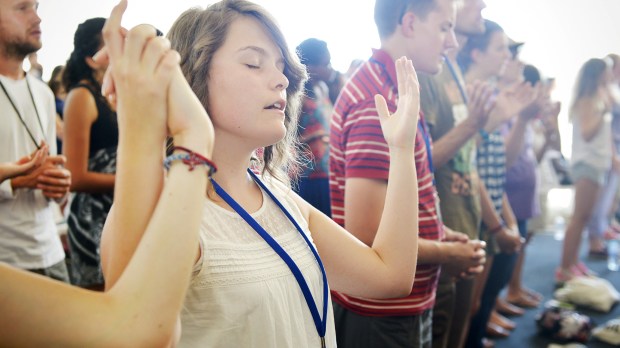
359 150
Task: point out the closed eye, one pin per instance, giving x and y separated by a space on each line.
252 66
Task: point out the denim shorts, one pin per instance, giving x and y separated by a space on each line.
582 170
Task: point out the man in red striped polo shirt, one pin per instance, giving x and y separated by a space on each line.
421 30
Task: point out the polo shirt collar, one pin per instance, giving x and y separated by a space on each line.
387 62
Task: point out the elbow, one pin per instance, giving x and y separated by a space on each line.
145 337
161 339
403 287
397 288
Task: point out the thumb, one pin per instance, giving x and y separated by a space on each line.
381 106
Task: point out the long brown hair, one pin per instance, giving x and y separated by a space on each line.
589 79
198 33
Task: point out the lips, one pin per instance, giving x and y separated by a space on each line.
277 105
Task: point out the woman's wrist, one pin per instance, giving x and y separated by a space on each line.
195 142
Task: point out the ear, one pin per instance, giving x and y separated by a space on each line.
476 55
408 23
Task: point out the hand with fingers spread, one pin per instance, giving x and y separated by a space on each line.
399 128
481 102
510 102
539 98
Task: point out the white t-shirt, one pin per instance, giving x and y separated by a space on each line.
28 235
242 293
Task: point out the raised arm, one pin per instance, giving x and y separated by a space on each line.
142 307
387 267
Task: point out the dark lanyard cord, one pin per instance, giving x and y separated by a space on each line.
321 324
19 115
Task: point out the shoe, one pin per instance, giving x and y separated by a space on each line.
562 275
508 309
598 254
611 233
584 270
496 331
502 321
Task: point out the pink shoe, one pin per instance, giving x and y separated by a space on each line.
562 275
580 267
611 233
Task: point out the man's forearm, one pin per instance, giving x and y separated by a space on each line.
445 147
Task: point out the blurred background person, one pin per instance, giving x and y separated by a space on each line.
55 84
313 126
592 154
599 228
90 142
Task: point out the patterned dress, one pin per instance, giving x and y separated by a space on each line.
89 210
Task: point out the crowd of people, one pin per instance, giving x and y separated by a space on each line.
225 189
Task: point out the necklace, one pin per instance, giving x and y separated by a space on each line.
19 115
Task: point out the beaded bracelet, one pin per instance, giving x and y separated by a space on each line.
191 159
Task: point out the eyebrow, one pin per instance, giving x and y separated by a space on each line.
260 51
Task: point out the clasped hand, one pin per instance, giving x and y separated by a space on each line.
145 84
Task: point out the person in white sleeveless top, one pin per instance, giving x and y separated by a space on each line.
591 157
259 279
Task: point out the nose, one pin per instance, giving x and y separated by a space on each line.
37 19
450 42
280 80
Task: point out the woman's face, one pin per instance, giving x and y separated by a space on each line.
247 86
100 66
493 60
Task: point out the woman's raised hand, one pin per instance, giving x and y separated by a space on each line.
399 128
139 75
144 75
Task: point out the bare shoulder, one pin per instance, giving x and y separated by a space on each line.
81 101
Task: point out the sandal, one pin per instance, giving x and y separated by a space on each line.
584 270
562 275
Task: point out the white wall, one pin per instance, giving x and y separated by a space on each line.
560 34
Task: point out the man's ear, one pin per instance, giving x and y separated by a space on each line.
409 23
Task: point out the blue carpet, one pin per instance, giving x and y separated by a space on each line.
543 256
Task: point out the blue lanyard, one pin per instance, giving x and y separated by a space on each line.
456 79
321 324
427 141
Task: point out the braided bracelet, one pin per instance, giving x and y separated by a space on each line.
191 159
